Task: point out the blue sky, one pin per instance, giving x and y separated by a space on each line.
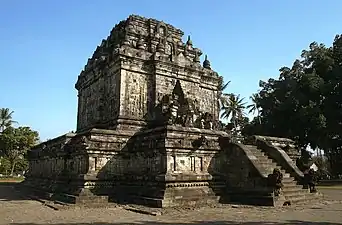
45 44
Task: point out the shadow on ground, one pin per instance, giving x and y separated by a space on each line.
8 192
290 222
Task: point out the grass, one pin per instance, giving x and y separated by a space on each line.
11 179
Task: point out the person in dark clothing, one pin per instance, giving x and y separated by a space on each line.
275 180
311 179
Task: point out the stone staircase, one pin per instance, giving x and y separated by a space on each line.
292 191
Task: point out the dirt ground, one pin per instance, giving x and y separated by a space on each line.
15 209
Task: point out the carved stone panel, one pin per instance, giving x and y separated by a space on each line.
136 95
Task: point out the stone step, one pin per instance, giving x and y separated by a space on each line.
295 199
289 179
294 196
304 198
290 184
271 168
294 192
263 159
253 148
266 160
290 187
293 187
259 154
267 172
270 165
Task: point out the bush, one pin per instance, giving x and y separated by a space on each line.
5 166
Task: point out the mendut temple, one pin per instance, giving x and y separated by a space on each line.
148 132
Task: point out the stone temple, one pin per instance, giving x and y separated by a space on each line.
148 132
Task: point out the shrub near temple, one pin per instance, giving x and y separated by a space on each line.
14 143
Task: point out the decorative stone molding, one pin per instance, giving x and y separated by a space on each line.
199 184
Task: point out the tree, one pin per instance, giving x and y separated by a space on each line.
6 118
222 98
303 162
4 165
305 102
14 143
233 109
254 107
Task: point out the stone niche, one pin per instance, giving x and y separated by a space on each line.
147 124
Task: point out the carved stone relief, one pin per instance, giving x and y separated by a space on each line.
177 109
136 95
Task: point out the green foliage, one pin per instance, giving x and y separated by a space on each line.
234 109
320 162
21 165
14 143
305 102
6 118
254 107
5 166
222 98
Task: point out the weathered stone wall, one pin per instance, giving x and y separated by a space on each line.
191 177
195 87
100 154
190 150
235 164
113 154
134 92
48 159
168 149
99 99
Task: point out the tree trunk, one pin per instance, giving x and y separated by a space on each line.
258 113
235 131
12 168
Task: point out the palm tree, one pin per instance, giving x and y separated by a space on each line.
222 98
6 118
234 108
254 107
